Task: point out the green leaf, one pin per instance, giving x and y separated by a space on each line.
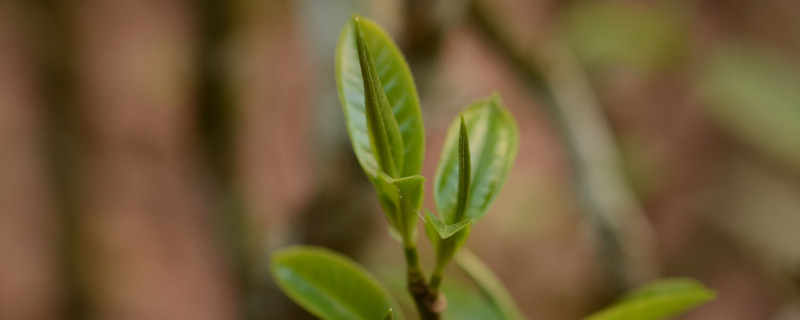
493 142
401 200
389 198
398 87
446 247
445 230
411 191
755 96
384 134
463 172
491 286
659 300
328 285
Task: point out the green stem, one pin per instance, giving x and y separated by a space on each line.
436 278
412 258
428 305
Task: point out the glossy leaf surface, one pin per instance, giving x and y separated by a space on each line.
398 87
493 142
328 285
659 300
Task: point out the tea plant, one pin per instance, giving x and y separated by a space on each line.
383 118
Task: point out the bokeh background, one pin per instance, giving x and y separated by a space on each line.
153 152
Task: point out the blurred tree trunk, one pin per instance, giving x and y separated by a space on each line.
55 66
149 246
217 118
29 270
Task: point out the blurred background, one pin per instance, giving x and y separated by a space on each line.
153 153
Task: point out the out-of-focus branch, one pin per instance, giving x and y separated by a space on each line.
422 35
217 119
429 304
55 48
623 234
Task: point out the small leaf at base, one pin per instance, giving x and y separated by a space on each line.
445 230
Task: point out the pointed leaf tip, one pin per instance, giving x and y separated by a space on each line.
389 315
464 172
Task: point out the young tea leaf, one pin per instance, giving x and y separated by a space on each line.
389 199
394 77
659 300
400 200
410 192
493 141
464 172
447 247
389 315
328 285
445 230
384 134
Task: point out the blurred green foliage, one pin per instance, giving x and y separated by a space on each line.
755 96
610 34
